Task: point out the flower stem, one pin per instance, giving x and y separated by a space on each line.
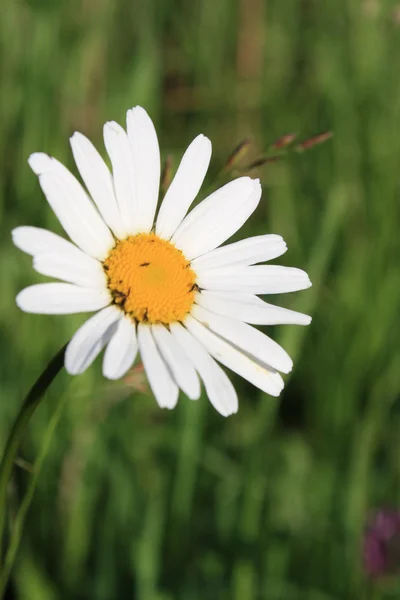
19 520
29 406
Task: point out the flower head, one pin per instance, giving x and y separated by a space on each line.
160 286
382 543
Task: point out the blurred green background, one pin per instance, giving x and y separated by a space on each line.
135 502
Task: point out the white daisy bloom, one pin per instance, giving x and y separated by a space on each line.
159 286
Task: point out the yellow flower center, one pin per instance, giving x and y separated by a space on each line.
150 279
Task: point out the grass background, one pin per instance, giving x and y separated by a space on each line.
135 502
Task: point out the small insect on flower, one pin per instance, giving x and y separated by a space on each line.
159 285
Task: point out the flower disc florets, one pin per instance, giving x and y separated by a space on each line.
150 279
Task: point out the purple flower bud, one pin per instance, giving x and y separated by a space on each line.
382 543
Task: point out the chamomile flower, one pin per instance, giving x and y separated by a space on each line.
160 286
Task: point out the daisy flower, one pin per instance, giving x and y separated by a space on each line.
162 286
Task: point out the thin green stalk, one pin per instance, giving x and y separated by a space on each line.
29 406
23 510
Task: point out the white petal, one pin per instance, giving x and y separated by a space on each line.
120 153
98 181
34 240
90 339
184 187
219 388
39 162
74 267
121 350
268 380
249 308
160 379
146 163
218 217
180 366
61 299
72 206
246 338
259 279
240 254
